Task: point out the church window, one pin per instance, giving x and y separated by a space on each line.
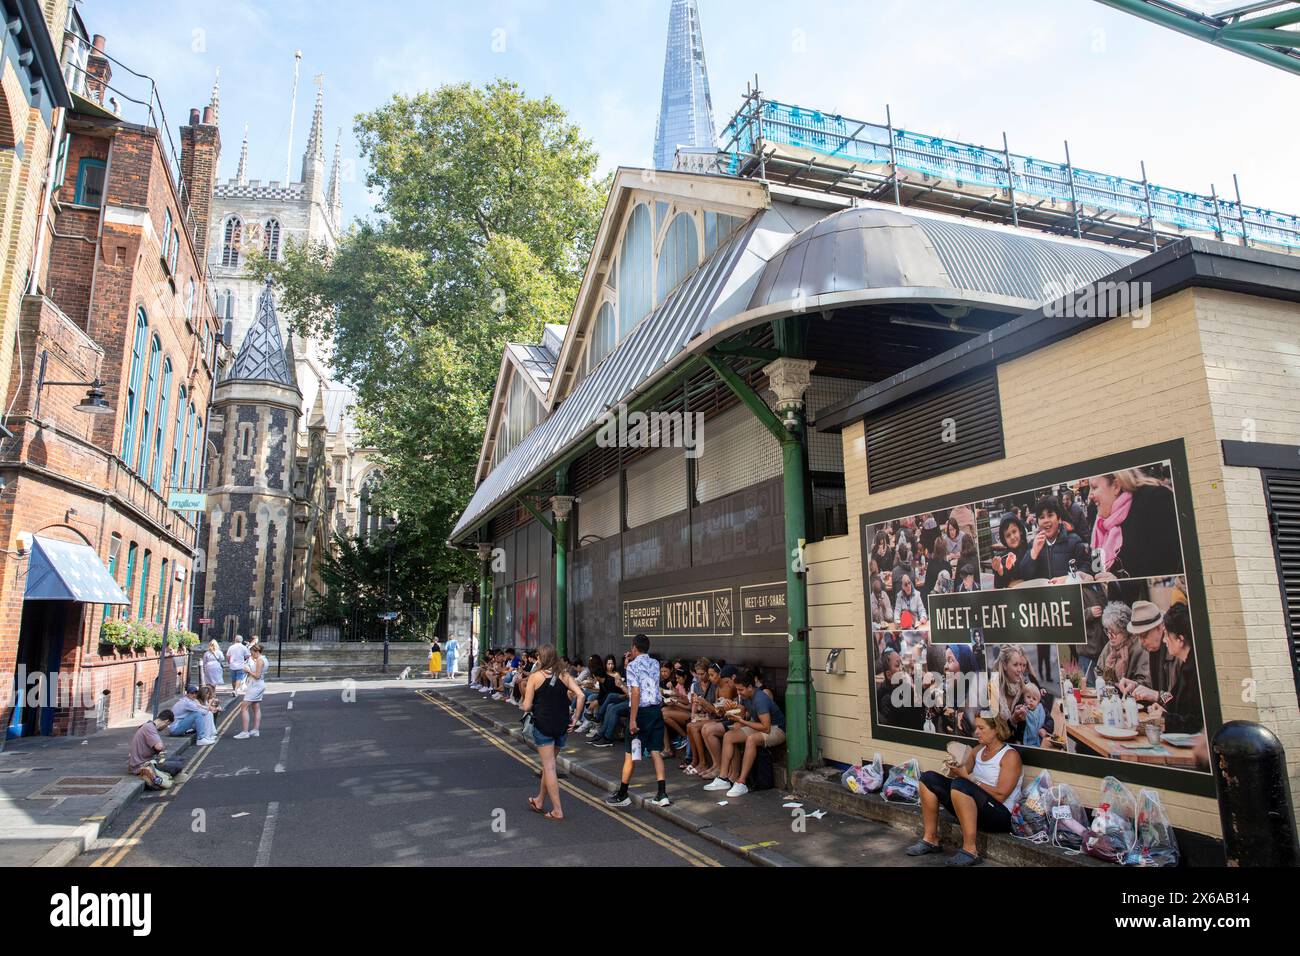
230 242
271 244
247 439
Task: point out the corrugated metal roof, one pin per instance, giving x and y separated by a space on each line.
646 349
537 361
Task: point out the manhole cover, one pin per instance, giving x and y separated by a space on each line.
74 791
86 781
76 787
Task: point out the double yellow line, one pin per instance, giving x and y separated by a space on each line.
141 825
673 845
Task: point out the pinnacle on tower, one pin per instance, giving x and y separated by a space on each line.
313 158
215 102
333 195
241 174
686 107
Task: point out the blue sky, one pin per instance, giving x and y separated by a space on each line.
1119 89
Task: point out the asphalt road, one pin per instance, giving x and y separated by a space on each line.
387 778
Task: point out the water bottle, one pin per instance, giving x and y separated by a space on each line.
636 748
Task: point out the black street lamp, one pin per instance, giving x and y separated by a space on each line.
389 545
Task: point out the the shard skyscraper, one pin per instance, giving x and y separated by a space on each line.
686 109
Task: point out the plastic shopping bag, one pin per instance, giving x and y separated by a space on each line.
1029 820
1113 829
1156 844
903 785
1069 820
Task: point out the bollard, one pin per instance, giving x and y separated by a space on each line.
1254 796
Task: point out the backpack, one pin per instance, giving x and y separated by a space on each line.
761 776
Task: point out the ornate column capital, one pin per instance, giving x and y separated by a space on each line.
562 506
484 552
789 379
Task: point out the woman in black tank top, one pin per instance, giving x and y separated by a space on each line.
547 698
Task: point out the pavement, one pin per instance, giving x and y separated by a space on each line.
376 773
763 827
57 794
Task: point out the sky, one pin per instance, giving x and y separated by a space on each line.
1042 71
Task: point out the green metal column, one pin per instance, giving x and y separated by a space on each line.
562 507
798 687
484 599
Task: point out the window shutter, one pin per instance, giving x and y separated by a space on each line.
1282 489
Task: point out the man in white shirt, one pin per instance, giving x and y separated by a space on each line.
237 657
192 715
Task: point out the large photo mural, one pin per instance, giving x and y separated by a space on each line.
1063 606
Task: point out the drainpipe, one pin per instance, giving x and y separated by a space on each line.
788 376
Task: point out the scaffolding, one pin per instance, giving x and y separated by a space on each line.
780 142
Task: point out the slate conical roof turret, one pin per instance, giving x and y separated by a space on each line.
263 356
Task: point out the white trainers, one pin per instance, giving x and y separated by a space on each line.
717 783
254 733
242 735
737 790
206 742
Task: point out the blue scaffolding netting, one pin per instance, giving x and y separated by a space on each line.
870 144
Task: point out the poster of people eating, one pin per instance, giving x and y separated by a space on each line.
1064 608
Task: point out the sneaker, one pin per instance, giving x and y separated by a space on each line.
718 783
614 800
497 697
738 790
592 732
254 733
242 735
680 743
207 742
601 742
661 801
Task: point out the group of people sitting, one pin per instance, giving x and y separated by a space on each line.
716 715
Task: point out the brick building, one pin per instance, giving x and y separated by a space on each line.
119 312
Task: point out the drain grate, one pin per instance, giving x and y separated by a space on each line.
76 787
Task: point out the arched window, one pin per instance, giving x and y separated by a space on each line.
133 385
144 585
131 552
147 417
189 448
162 593
176 250
166 234
190 293
230 242
226 310
634 270
679 254
178 439
161 427
271 240
370 520
604 335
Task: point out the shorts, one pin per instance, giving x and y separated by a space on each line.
991 817
649 729
236 675
542 740
773 738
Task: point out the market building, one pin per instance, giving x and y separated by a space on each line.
857 332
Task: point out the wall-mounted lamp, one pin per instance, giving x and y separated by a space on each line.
93 404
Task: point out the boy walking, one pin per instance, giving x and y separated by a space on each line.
645 722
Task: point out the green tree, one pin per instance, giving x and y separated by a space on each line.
488 204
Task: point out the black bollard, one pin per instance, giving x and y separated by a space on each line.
1254 796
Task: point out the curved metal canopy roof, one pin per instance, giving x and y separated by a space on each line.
795 259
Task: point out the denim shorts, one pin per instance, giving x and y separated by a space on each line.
542 740
236 675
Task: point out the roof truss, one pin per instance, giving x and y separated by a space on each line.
1266 30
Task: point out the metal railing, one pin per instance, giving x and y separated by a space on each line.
877 153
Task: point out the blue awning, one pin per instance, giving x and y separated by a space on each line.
64 571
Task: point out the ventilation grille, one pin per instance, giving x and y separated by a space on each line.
598 512
738 452
935 434
826 450
1284 521
656 487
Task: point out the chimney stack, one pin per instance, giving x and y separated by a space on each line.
98 71
200 153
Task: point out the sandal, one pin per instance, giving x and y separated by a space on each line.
535 805
550 815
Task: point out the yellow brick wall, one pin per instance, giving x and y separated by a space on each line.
841 696
1117 387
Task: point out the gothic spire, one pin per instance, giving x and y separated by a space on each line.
241 174
316 139
262 356
215 102
333 195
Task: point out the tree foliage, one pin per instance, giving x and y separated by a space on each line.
487 206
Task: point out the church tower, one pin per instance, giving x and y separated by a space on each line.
254 425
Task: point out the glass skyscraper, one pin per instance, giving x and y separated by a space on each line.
686 109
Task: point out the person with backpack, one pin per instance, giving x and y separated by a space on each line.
547 694
762 726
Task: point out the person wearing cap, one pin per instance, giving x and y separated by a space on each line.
1148 625
192 715
1174 691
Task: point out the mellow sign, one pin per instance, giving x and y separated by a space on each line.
187 501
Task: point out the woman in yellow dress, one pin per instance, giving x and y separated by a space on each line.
435 658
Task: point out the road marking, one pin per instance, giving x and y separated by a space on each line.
284 749
268 833
672 844
290 707
118 850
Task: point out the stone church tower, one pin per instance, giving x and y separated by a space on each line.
305 478
253 423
